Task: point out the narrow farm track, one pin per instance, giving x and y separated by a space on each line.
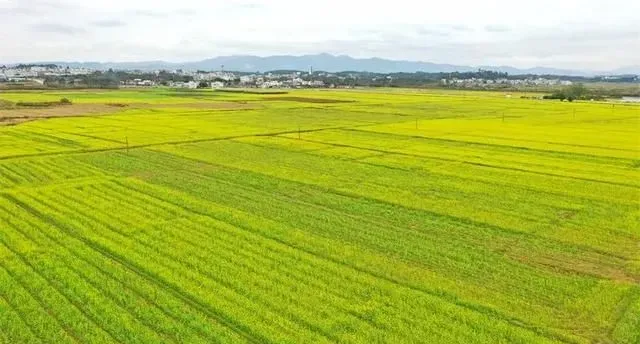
355 217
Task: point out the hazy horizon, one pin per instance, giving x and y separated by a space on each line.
577 35
178 62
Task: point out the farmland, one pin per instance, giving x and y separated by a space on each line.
380 216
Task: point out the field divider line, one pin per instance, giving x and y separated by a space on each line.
210 139
382 153
93 137
38 299
153 244
434 214
517 148
527 140
468 163
16 311
324 208
152 277
285 312
76 255
448 297
623 307
213 139
101 291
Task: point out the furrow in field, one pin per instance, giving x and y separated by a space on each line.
38 324
188 262
100 310
46 305
84 276
88 260
112 243
329 175
366 230
271 231
479 164
483 273
14 325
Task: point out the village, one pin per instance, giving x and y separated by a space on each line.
54 76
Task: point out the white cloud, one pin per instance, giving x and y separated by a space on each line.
589 34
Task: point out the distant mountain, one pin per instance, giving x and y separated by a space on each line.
328 63
324 62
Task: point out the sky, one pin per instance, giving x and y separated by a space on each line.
577 34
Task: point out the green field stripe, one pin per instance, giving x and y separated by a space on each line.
172 142
529 183
125 326
188 264
498 167
195 251
147 208
141 308
68 295
49 326
19 174
626 322
277 303
149 275
439 294
125 281
14 325
493 145
530 140
94 137
8 177
309 277
249 258
46 264
358 193
384 139
42 173
232 195
272 235
372 231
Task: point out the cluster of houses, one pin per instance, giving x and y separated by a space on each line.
37 73
479 82
282 79
227 79
137 83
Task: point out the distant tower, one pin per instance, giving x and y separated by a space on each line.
310 70
222 68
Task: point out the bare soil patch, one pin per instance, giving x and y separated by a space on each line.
18 115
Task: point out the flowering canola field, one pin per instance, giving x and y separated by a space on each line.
354 216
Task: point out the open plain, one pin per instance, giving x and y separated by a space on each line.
352 216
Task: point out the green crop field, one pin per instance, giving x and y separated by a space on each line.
353 216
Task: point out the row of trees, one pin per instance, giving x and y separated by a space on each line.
574 92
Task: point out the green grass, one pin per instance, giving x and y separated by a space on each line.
382 216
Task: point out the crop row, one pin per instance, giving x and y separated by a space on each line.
234 264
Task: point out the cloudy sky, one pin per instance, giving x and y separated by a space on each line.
577 34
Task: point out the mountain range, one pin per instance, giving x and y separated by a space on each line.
330 63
